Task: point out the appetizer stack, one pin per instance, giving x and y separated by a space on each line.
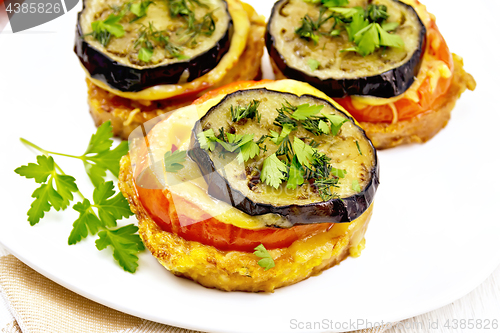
144 58
276 167
384 61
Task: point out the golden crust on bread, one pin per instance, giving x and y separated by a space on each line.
422 127
236 270
126 115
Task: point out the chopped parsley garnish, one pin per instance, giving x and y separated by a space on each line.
366 28
355 185
273 171
103 30
149 38
139 9
185 10
173 160
309 28
313 64
243 144
267 261
99 215
248 111
294 160
145 54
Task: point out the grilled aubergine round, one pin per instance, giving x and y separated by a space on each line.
240 184
145 58
387 72
197 233
177 58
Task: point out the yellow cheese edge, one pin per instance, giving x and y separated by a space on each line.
241 30
431 67
188 183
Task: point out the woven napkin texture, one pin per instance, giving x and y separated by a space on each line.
39 305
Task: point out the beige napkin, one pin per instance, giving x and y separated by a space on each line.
40 305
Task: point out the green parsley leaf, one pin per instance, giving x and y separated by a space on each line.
87 221
40 172
355 185
173 160
387 39
358 24
273 171
303 152
278 138
335 3
295 174
339 173
248 151
145 54
110 208
389 26
125 242
140 9
235 141
304 111
367 40
336 122
207 139
102 30
323 126
313 64
267 261
46 196
347 13
99 158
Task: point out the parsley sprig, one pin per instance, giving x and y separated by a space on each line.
101 214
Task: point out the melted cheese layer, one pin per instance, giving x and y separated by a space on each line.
241 25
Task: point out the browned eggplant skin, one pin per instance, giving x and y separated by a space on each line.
331 211
127 79
385 85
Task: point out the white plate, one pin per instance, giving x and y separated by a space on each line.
434 236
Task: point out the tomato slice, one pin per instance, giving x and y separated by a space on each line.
405 107
161 208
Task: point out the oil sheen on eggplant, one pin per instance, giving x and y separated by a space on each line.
387 72
118 65
238 185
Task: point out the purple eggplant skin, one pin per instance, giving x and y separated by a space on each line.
391 83
331 211
127 79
